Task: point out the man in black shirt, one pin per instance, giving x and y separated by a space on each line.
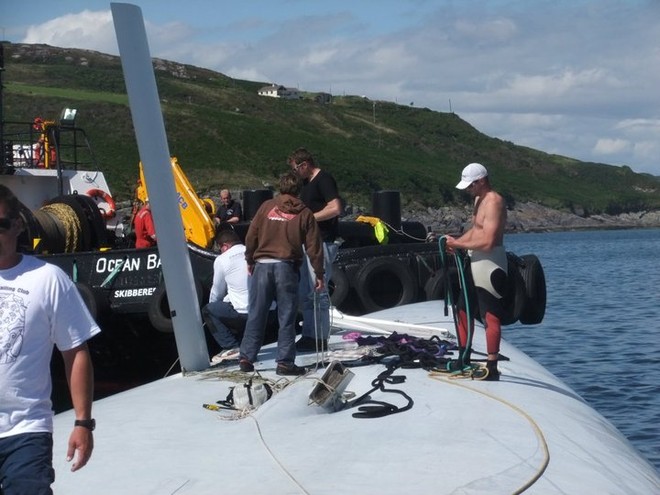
321 195
229 210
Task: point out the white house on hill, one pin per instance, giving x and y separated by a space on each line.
278 91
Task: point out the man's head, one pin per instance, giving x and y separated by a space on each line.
225 196
290 183
302 163
226 238
12 205
10 210
473 174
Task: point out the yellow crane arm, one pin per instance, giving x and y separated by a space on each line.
195 214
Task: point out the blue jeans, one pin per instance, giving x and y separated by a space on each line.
26 464
272 281
216 314
316 325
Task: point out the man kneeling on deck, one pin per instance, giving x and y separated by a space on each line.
226 313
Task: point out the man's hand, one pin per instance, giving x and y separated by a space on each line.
81 444
80 375
450 244
319 285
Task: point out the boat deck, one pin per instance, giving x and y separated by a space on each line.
528 432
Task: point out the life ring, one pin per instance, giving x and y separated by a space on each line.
159 313
535 290
338 286
385 282
105 196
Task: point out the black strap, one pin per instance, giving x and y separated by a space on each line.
378 409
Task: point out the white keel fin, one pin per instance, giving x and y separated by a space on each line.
155 156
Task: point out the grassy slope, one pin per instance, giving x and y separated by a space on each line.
225 135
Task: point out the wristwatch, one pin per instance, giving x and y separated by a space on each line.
90 424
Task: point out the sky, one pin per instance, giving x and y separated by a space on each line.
578 78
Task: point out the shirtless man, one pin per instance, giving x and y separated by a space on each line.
488 263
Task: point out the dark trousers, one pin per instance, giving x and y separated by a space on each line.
217 314
26 464
279 282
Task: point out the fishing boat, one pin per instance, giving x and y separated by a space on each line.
421 430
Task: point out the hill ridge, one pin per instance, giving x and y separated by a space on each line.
225 135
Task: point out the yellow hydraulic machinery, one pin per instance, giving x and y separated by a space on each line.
196 213
44 151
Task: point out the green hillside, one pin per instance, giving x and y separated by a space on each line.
225 135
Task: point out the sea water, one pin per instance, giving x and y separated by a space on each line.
601 331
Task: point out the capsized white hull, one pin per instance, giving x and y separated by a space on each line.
528 432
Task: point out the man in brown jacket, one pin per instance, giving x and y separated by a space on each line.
273 251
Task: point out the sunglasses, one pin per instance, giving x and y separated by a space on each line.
296 166
5 223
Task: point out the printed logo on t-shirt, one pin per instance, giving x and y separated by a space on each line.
12 327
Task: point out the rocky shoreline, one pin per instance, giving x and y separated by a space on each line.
524 217
532 217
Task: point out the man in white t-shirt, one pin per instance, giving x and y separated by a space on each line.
39 306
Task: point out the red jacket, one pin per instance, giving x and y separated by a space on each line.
145 233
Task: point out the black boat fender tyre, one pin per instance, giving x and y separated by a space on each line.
514 299
159 312
87 295
338 286
385 282
434 288
535 290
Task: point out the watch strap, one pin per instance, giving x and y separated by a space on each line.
90 424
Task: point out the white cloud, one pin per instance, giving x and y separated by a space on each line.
609 146
87 29
555 85
647 150
640 126
319 57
